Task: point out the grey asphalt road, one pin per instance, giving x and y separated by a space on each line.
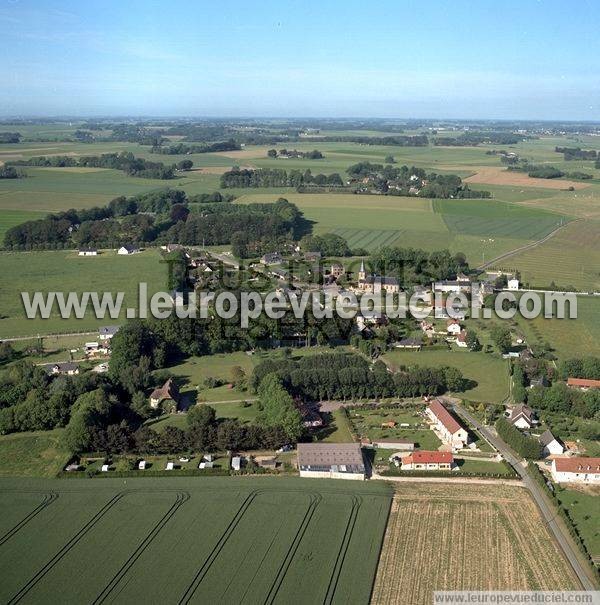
548 513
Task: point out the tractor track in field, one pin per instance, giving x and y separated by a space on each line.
526 247
49 498
315 500
341 556
182 497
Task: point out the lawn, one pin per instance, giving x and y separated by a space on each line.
489 371
66 272
227 540
583 508
470 465
337 429
35 454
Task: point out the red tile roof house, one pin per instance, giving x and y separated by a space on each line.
428 461
576 470
583 383
449 429
166 397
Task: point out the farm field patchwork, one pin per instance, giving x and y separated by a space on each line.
443 537
35 454
243 540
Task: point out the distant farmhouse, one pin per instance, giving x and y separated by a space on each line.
66 368
271 258
376 284
576 470
127 250
421 460
167 397
449 429
583 383
331 460
87 252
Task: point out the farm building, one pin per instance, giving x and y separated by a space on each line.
453 327
271 258
513 284
87 252
107 332
450 430
401 445
166 396
67 368
521 416
583 383
576 470
551 446
331 460
337 270
428 461
409 343
451 286
127 250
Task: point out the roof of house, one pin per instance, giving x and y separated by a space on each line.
88 250
547 437
445 417
583 382
108 330
168 390
577 465
423 457
129 248
330 454
66 366
409 342
462 336
521 411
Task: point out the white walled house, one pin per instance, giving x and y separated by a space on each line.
513 284
576 470
87 252
449 429
127 250
331 461
551 446
521 416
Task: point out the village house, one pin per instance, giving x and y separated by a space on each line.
107 332
453 327
521 416
551 446
576 470
271 258
87 252
312 257
336 270
167 397
127 250
331 460
67 368
448 428
583 384
513 284
376 284
421 460
409 343
451 286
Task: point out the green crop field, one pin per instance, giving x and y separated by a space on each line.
11 218
32 454
489 371
227 540
65 272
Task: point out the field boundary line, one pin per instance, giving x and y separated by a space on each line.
182 497
48 499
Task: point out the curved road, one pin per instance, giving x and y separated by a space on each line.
564 540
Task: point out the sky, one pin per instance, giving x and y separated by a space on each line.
510 59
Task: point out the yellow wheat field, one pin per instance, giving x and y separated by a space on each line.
458 537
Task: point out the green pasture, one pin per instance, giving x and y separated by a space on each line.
64 271
211 539
33 454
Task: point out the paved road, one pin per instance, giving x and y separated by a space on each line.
526 246
563 539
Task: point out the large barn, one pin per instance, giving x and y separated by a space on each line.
331 460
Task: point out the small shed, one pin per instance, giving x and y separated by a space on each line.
142 465
170 466
236 463
105 468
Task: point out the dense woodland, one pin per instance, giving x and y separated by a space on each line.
186 148
267 177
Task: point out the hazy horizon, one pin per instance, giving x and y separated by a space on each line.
515 61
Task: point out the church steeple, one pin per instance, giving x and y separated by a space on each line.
362 274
